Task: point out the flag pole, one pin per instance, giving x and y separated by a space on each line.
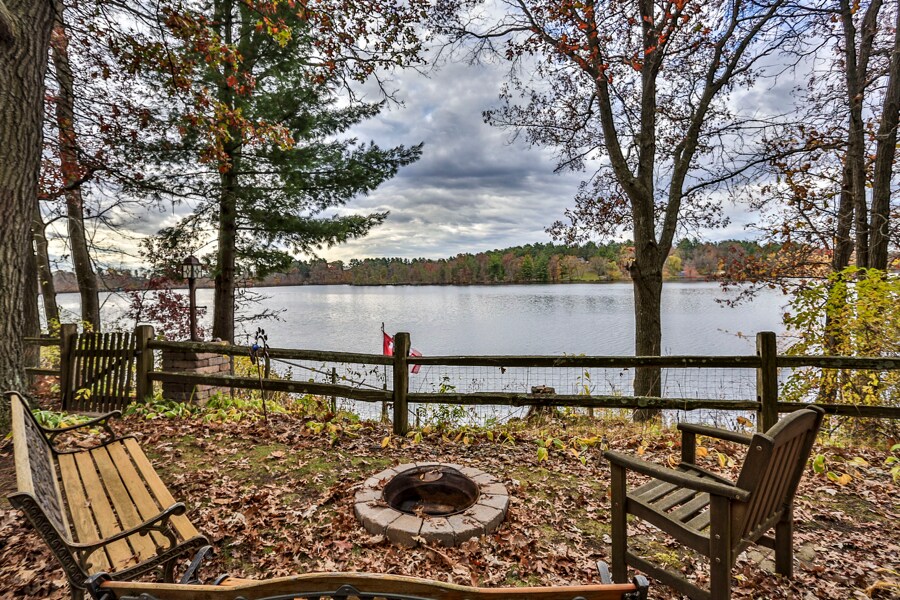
384 404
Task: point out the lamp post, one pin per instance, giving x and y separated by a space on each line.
191 270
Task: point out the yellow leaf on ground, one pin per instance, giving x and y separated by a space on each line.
386 442
702 452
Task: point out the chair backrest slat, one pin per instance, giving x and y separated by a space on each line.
773 468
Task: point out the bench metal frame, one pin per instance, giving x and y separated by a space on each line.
40 497
365 586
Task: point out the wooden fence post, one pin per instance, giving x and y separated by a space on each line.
334 382
401 383
767 380
68 336
144 363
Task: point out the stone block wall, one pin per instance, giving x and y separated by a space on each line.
202 363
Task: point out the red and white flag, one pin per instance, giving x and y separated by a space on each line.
414 352
387 348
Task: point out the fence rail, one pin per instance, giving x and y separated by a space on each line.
766 363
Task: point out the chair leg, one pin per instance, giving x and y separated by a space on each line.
720 548
619 526
784 543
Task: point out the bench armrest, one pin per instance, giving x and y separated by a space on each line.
159 523
676 477
715 432
102 421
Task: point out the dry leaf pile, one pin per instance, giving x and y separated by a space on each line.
277 500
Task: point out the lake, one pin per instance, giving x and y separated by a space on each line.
593 319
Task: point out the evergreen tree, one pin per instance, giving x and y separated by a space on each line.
256 105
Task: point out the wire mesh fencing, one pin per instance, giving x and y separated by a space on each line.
676 383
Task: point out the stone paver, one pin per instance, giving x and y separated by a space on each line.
404 530
465 527
493 488
489 516
438 529
378 480
496 501
375 518
367 494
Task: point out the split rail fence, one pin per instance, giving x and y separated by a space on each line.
116 368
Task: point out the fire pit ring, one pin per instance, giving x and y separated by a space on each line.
431 502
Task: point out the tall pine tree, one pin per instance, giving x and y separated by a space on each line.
252 131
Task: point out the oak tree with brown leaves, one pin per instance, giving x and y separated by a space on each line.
635 93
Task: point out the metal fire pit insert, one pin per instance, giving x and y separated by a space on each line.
432 502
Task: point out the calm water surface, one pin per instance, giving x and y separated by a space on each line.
596 319
592 319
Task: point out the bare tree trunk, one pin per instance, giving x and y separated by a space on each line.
647 281
223 315
884 161
24 38
72 173
44 271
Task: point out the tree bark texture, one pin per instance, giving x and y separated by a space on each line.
44 270
223 313
884 161
856 75
24 39
72 174
647 281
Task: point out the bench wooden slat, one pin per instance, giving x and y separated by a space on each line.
120 553
146 505
122 502
85 528
182 525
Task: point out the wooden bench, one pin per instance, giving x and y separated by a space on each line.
102 509
364 586
710 514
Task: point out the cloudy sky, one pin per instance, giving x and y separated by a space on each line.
474 189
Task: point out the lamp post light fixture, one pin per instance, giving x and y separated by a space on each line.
192 270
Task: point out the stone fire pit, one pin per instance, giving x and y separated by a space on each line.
439 503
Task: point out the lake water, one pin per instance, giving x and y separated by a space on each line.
592 319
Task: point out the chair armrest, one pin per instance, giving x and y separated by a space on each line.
159 523
102 421
715 432
676 477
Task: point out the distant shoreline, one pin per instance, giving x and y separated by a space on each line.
208 284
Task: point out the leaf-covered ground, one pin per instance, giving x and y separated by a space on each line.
277 500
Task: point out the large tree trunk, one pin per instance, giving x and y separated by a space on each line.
24 38
223 315
884 161
72 174
647 281
44 270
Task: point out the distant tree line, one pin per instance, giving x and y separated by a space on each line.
531 263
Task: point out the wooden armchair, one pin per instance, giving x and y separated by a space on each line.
711 514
